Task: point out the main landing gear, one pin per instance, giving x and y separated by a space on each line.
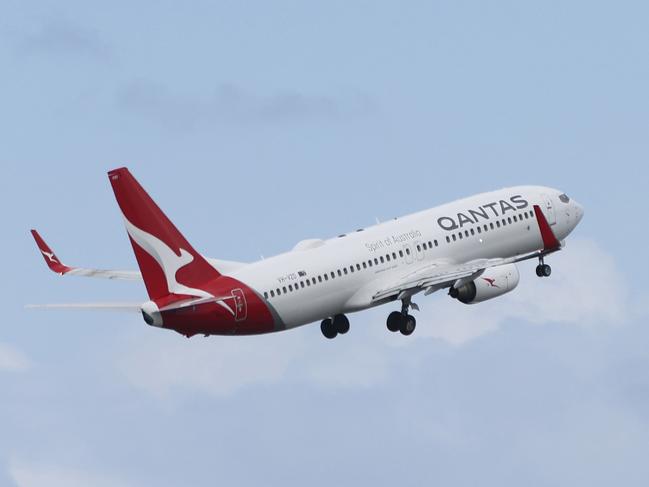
543 269
330 328
402 321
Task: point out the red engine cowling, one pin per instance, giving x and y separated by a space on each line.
494 282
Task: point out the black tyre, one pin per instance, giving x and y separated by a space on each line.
394 321
327 329
547 270
539 270
341 324
408 325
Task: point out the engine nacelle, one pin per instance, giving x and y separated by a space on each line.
494 282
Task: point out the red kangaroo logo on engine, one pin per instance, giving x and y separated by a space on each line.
491 282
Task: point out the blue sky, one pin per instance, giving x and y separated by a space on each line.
258 124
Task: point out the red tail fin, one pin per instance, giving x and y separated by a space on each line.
169 264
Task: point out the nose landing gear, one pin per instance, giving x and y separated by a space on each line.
543 269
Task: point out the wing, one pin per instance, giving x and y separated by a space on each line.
55 264
442 274
439 275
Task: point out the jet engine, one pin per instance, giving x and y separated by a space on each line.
494 282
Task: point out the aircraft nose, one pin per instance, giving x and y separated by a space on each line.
579 211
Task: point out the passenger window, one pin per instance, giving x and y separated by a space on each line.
408 251
345 270
466 233
358 267
319 278
387 257
290 287
381 258
364 265
401 253
515 218
279 293
308 283
448 239
486 228
272 294
454 238
265 295
339 273
479 229
460 235
326 277
492 225
394 255
436 243
509 220
284 289
313 280
376 261
351 268
369 262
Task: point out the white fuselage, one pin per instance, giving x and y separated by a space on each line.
322 278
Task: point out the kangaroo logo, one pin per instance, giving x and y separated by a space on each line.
50 256
169 262
491 282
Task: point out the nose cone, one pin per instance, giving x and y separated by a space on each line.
578 211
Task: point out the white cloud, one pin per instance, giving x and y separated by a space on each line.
12 360
26 475
222 366
229 104
586 288
216 365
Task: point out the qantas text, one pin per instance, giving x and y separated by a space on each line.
495 209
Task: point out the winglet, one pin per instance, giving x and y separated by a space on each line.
550 242
51 260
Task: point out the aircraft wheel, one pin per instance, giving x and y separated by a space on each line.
543 270
341 324
408 325
327 328
394 320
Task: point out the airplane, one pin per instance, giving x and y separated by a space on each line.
469 246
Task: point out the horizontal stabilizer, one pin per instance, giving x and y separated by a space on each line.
127 307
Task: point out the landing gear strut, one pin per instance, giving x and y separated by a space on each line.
543 269
330 328
402 321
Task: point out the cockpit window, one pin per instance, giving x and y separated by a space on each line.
564 197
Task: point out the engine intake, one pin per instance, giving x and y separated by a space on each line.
494 282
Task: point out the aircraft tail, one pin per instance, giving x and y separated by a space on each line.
168 262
